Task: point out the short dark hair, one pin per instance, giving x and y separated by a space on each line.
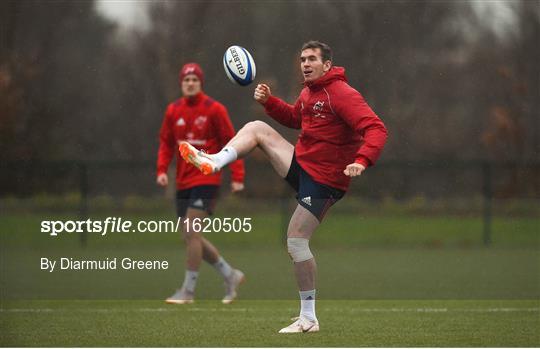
326 51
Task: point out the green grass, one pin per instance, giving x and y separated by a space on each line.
384 280
344 273
254 323
338 229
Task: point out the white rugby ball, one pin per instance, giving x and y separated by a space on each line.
239 65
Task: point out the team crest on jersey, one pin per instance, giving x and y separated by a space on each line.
200 121
318 108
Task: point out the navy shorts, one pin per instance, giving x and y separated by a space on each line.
201 197
315 197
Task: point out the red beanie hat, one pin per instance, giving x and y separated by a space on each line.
191 68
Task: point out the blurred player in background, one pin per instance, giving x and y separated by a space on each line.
340 137
204 123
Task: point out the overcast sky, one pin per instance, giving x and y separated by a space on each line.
128 13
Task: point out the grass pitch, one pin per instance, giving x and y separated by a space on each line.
400 281
255 323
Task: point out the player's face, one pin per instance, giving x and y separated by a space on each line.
312 65
191 85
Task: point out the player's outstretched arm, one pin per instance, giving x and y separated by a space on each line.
284 113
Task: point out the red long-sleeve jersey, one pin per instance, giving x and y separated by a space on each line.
205 124
337 128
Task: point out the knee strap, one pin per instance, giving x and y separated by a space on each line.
299 250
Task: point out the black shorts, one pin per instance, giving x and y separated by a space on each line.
201 197
315 197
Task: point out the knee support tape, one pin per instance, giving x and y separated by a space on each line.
299 250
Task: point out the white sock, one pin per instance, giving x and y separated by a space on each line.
190 280
307 305
224 157
223 267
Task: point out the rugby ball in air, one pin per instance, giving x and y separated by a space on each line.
239 65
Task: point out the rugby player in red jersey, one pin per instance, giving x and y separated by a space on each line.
340 137
203 122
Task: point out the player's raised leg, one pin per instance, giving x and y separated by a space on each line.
253 134
260 134
301 227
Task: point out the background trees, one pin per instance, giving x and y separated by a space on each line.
446 84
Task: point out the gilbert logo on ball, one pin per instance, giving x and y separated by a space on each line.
239 65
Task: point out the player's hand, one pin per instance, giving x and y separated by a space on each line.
354 169
262 93
236 187
162 179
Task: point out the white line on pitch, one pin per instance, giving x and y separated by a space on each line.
195 309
